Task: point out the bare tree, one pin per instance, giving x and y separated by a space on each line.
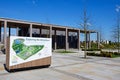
118 27
101 34
116 30
85 23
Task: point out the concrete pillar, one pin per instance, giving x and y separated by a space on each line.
89 40
50 32
17 31
55 41
0 33
40 32
66 39
98 43
30 30
9 31
78 39
5 34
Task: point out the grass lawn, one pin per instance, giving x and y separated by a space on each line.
64 51
114 56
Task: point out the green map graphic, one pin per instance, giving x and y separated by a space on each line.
23 51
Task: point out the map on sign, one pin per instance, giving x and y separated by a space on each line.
24 51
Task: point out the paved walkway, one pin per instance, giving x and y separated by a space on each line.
69 67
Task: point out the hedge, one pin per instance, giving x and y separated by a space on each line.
105 54
92 49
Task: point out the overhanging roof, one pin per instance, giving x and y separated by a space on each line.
13 21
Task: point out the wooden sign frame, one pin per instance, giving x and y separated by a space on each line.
45 61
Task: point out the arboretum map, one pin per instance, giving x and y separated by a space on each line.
23 51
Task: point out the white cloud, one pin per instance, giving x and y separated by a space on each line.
117 8
34 2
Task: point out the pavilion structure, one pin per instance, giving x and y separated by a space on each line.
63 37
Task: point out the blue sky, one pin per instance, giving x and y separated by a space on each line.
102 13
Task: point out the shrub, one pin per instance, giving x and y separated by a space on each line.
105 54
92 54
92 49
110 54
1 47
116 53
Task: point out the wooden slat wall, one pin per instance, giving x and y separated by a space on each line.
7 52
35 63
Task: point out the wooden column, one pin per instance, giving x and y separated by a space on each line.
5 34
30 30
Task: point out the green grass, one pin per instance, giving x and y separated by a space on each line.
64 52
115 56
92 49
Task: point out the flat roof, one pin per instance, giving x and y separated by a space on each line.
44 24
